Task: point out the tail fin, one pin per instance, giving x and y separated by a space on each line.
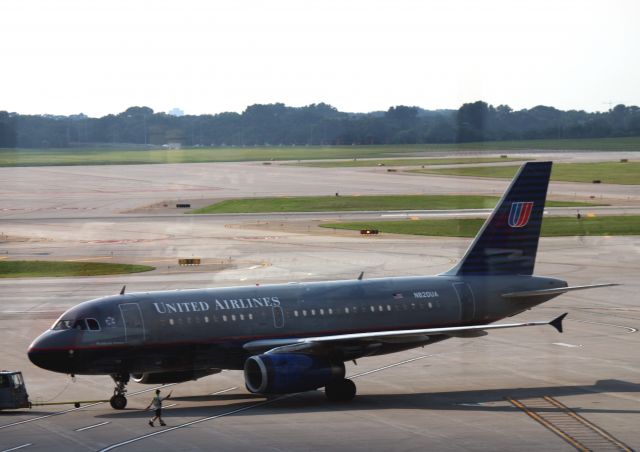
508 241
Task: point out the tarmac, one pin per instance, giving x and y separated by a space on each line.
525 389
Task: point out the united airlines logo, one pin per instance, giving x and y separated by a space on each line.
520 213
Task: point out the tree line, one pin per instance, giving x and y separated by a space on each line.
316 124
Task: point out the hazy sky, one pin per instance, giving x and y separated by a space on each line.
208 56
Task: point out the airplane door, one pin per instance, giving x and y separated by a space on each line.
278 316
133 323
467 301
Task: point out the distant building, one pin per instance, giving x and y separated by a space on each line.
176 112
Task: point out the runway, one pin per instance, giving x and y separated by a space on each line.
461 394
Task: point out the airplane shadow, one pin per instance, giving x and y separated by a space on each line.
315 401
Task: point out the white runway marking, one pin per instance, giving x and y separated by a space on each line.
253 267
92 426
222 391
169 406
248 407
18 447
562 344
58 413
628 328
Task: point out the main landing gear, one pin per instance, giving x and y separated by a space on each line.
118 401
340 390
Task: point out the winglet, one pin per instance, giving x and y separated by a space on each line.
557 322
123 288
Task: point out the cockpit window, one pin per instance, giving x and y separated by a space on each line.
64 325
79 324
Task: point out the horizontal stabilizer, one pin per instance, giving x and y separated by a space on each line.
557 291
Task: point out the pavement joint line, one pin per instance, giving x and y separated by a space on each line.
245 408
92 426
157 260
95 258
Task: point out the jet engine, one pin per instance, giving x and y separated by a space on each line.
152 378
287 373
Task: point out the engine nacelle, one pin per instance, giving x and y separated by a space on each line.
287 373
153 378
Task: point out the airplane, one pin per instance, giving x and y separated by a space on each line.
296 337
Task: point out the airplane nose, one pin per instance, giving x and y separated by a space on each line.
52 352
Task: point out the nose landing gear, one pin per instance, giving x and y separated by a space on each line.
118 401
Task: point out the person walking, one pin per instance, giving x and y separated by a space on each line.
157 406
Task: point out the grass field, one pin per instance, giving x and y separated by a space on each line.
406 162
110 156
607 172
551 226
352 203
31 269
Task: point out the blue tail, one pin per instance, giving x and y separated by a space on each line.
508 241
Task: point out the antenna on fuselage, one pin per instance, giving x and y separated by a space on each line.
122 291
360 277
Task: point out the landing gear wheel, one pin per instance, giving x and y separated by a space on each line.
340 391
118 402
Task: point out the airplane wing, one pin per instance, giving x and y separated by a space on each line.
557 291
290 345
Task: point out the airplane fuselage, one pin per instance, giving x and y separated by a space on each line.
208 328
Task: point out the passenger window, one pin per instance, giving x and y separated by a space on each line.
346 310
321 311
330 311
295 313
93 324
373 309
